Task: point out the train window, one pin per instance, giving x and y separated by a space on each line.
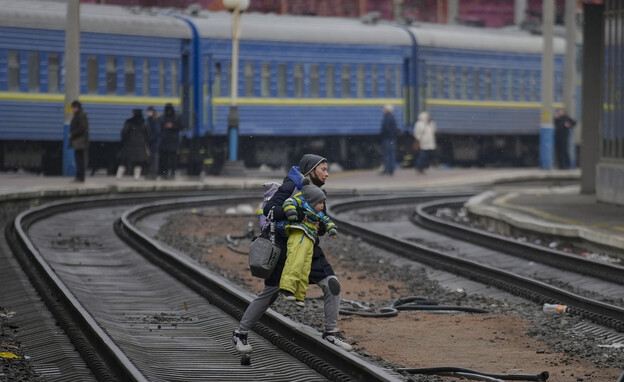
360 76
464 84
558 86
111 75
216 81
281 80
54 73
487 79
298 80
430 82
248 73
161 77
146 77
265 80
13 71
33 72
129 75
314 81
439 82
498 87
510 86
476 89
533 86
228 78
374 82
451 82
388 81
345 81
174 78
329 81
521 86
398 81
92 75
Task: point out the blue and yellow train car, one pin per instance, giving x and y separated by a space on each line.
127 61
482 87
304 84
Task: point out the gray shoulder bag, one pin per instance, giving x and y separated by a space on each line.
263 253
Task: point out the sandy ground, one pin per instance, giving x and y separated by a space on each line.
490 343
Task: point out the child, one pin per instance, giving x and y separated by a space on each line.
302 236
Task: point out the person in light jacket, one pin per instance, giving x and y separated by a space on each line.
424 132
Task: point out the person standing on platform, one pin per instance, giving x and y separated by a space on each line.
322 274
153 141
79 139
563 127
424 133
389 133
134 148
169 142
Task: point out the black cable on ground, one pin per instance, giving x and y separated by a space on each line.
236 250
541 377
383 312
403 303
441 307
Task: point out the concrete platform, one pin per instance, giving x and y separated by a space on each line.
560 211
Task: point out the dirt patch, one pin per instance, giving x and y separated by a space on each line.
510 339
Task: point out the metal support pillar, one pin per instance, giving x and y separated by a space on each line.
569 76
592 94
546 118
72 79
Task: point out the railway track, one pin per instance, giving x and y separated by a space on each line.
502 264
158 316
157 338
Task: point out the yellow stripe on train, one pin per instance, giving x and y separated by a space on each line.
92 99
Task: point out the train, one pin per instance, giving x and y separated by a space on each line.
305 84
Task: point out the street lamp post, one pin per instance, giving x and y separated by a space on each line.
232 165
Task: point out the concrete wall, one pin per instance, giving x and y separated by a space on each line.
610 183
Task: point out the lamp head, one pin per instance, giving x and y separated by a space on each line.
233 4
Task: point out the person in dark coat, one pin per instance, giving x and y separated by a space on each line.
79 139
134 148
169 142
315 168
153 141
563 126
389 133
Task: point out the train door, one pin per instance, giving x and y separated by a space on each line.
212 146
185 91
421 81
405 153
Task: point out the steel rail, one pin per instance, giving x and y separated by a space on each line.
101 354
606 314
530 251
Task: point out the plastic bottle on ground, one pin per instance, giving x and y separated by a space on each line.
550 308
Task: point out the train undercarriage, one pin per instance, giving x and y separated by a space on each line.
208 154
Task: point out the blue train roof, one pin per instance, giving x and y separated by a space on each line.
265 27
93 18
474 38
312 29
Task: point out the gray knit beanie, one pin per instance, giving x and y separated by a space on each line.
309 162
311 193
